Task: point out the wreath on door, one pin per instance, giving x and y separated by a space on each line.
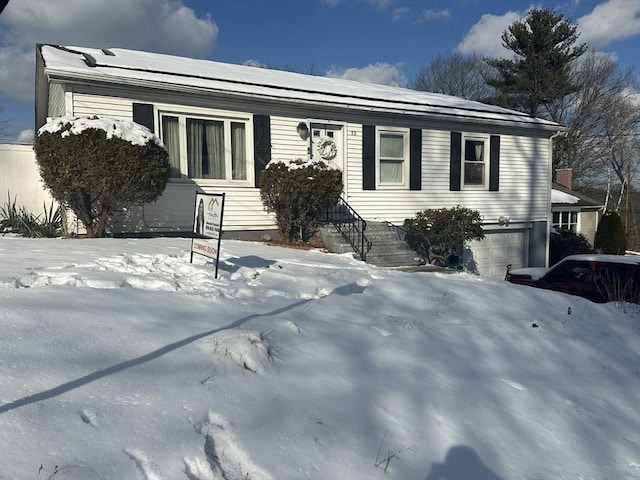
326 148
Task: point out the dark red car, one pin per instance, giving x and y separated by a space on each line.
599 278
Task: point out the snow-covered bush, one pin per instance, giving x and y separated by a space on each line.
96 166
438 235
298 192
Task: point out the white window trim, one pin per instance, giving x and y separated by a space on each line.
487 165
569 211
225 116
405 132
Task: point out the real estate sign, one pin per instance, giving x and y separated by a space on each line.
207 226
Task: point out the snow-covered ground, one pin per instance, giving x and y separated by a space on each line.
121 360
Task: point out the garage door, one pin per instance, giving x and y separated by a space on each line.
496 251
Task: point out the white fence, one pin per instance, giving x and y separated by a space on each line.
20 179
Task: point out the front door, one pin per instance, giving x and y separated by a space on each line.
326 144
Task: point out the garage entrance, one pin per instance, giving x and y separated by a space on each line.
496 251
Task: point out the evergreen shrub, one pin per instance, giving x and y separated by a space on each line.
610 235
98 166
564 242
438 235
299 192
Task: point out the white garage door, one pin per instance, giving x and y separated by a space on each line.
496 251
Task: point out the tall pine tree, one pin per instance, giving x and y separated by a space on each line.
543 47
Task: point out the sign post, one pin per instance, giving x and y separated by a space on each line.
207 226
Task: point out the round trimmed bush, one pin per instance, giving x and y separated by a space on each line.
96 166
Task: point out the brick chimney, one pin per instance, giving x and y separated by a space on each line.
564 177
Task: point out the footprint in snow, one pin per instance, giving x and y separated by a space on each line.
382 332
89 417
145 467
225 457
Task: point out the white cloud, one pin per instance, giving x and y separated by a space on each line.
609 21
17 67
484 38
379 4
26 136
380 73
428 14
399 13
633 96
165 26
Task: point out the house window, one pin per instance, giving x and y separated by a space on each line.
476 154
566 220
206 148
393 152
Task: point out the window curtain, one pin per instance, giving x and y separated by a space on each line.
391 158
478 151
171 138
205 149
194 147
215 148
238 152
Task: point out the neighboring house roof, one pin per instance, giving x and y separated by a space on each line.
144 69
562 196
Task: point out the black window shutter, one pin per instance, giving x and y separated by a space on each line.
455 162
143 115
368 157
261 145
415 159
494 163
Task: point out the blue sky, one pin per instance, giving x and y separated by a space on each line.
380 41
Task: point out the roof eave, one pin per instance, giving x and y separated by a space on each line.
91 78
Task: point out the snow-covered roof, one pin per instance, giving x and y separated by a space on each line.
561 197
130 67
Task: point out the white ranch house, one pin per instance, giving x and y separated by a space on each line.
400 150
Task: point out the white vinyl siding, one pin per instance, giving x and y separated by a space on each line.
286 143
56 107
173 211
88 104
524 179
524 182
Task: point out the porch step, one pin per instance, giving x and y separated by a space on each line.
388 248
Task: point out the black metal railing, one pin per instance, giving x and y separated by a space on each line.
351 225
400 231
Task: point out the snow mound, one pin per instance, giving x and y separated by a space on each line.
251 350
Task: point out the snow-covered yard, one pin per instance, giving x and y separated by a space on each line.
121 360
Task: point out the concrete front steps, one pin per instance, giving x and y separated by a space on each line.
388 248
